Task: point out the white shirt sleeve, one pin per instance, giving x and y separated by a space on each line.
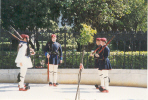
21 54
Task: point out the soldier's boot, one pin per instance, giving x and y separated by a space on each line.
55 84
24 89
105 91
96 86
25 85
100 88
50 84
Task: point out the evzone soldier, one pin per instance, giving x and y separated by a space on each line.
53 52
98 45
98 48
103 66
23 61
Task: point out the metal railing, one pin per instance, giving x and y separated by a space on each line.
128 49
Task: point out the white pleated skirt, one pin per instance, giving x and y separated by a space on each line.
26 63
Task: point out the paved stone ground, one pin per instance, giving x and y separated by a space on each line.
9 91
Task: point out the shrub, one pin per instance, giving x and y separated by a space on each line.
118 59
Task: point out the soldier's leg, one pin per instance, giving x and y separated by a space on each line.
50 74
101 75
23 71
18 79
96 85
55 74
106 79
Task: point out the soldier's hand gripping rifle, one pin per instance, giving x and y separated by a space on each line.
32 51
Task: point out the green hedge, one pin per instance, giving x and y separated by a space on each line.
129 60
119 60
7 60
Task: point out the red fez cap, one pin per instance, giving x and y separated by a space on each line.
98 39
53 35
103 39
24 36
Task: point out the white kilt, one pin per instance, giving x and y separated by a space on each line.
22 58
26 63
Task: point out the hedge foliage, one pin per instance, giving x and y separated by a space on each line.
118 59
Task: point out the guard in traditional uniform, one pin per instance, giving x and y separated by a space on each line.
23 61
53 51
98 45
103 66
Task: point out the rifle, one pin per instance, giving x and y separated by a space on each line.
104 46
16 32
48 71
14 36
96 49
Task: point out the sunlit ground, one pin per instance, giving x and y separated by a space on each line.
9 91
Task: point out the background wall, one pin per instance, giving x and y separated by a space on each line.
118 77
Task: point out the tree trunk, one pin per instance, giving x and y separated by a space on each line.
79 47
82 54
